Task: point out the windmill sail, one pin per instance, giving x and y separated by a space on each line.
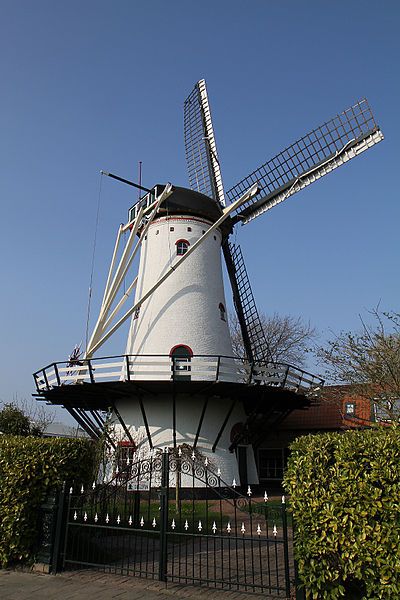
205 177
316 154
254 340
200 147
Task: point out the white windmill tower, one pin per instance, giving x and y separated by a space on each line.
178 382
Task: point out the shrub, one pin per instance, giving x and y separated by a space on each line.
345 494
30 469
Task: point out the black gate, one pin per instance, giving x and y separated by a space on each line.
171 517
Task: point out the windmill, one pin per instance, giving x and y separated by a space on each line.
178 382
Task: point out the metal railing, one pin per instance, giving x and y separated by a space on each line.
161 367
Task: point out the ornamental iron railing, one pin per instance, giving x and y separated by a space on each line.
157 367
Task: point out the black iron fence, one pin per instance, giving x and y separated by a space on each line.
170 517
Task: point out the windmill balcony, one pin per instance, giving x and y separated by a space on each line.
164 368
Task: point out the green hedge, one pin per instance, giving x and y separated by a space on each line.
31 468
345 495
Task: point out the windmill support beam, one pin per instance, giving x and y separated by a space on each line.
89 430
146 424
221 431
203 412
123 266
123 424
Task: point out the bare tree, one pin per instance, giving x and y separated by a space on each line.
289 338
368 362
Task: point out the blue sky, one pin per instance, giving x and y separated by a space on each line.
98 85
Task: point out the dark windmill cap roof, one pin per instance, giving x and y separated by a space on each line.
189 202
184 201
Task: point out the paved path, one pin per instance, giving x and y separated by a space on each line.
91 585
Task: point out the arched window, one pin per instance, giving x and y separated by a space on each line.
222 312
182 247
181 356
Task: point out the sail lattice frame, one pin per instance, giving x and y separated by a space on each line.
323 145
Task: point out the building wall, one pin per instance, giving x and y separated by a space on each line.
159 412
185 308
329 414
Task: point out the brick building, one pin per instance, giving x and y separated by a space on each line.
335 411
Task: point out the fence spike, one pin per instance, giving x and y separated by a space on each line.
82 490
186 525
258 529
265 497
173 524
283 500
154 522
96 518
249 492
219 472
130 520
85 517
141 522
243 529
228 527
75 516
275 531
70 490
206 462
214 527
93 485
118 520
193 456
179 451
234 483
200 526
107 518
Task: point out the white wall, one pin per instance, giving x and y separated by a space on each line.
159 413
185 308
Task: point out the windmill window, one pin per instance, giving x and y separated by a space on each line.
189 229
222 312
157 232
172 228
215 237
203 232
182 246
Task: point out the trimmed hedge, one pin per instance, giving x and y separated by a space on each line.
30 469
345 495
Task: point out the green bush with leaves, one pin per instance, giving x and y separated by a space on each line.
345 499
30 469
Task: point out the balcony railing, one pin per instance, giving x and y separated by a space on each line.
152 367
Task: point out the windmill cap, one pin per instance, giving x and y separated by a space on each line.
183 201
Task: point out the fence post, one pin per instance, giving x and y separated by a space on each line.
285 546
59 530
52 521
162 573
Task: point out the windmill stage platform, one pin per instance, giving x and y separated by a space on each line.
92 387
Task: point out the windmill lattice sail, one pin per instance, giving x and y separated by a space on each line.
200 147
316 154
